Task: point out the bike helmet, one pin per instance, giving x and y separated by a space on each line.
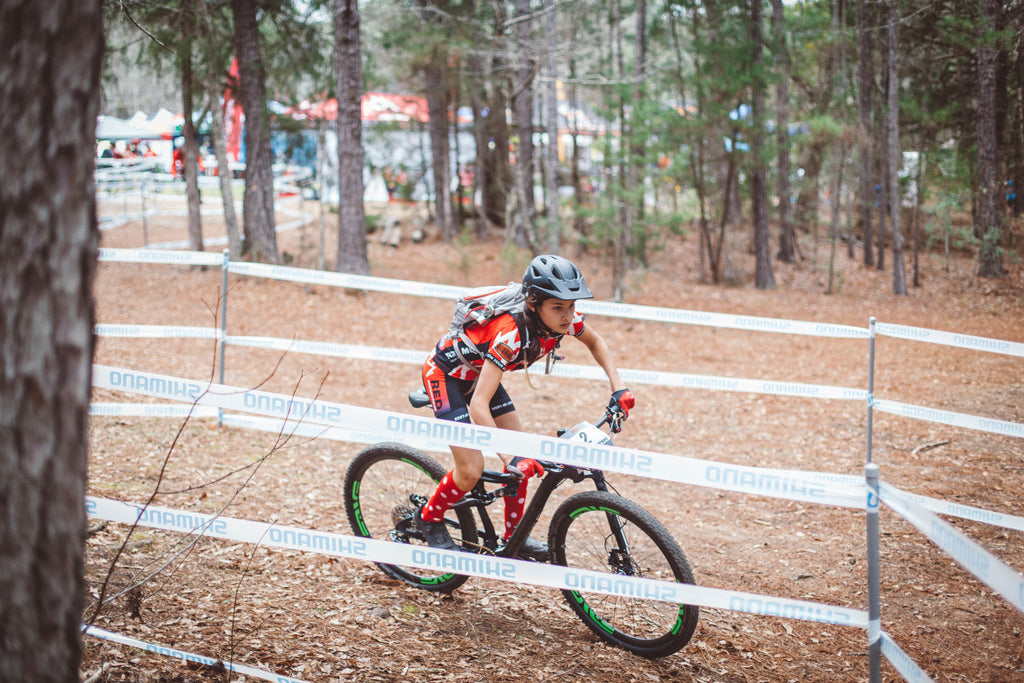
550 276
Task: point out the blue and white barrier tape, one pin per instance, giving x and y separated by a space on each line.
157 331
151 410
180 258
347 280
988 568
963 341
902 662
948 417
567 370
811 487
611 309
189 657
484 566
298 428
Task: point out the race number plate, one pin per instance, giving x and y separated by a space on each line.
587 433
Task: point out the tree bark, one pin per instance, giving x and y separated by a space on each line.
188 130
213 92
522 102
787 249
258 204
763 276
553 241
987 229
50 60
899 275
352 254
437 107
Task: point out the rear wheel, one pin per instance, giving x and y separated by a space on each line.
581 536
383 487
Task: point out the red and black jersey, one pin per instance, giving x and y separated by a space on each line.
500 341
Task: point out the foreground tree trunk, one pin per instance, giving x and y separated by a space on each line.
258 205
352 255
49 82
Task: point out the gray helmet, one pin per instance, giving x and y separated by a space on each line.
554 277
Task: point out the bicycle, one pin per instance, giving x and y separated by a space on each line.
594 530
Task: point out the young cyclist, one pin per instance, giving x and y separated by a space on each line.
463 379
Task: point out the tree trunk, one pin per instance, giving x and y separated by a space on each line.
882 194
899 276
763 276
522 102
864 132
352 254
987 229
50 84
258 204
220 150
553 241
437 107
578 193
188 130
787 251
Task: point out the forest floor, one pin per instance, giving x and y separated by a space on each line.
322 619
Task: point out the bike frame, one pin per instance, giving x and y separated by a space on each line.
479 499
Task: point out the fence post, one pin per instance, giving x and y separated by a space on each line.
874 564
874 584
223 326
145 227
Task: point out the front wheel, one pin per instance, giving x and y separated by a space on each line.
383 487
603 532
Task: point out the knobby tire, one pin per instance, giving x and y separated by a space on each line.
580 536
378 485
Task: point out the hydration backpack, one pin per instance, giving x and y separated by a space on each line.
483 304
486 303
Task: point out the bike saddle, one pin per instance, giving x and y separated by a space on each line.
419 399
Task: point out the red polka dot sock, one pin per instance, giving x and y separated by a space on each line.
514 506
445 495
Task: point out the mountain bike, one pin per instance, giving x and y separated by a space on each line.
595 530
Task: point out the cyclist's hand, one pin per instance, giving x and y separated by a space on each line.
621 402
524 468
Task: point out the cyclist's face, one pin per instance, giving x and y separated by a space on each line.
557 314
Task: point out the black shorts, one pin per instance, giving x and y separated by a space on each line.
449 397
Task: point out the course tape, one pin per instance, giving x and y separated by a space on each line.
984 424
484 566
348 280
607 308
906 666
184 656
567 370
183 258
988 568
157 331
964 341
150 410
312 431
811 487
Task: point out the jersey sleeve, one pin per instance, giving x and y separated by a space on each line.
576 326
